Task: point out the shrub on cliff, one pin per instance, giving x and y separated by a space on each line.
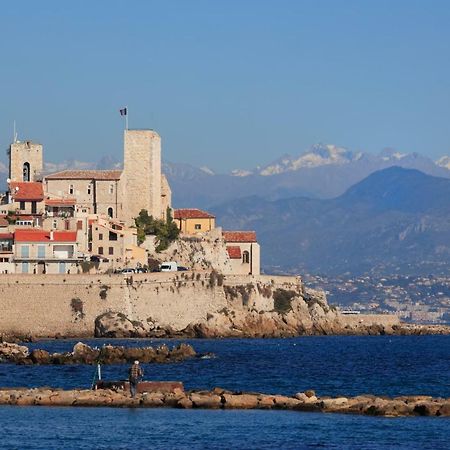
282 299
166 231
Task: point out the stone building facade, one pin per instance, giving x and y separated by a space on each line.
119 194
25 161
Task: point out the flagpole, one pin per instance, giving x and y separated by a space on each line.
126 118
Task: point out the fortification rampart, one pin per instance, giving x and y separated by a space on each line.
47 305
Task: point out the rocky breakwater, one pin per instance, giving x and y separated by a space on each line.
222 399
84 354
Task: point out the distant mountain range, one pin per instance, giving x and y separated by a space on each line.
395 221
323 171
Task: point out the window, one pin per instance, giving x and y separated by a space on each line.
41 251
22 206
26 171
55 224
112 236
110 212
62 267
111 189
245 257
25 251
89 189
100 250
70 188
24 267
100 237
111 251
33 207
198 226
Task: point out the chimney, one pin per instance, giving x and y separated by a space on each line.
51 235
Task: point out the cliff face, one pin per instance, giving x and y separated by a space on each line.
205 251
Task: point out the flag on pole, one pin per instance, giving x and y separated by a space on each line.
123 111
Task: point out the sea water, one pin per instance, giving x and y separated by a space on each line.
335 366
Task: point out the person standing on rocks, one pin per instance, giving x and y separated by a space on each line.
135 374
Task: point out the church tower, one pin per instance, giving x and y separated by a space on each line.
25 161
142 174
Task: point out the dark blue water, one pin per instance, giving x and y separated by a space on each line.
331 365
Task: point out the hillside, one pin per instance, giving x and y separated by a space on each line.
394 221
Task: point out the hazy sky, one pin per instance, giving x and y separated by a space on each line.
230 83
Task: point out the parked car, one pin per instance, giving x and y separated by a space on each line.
141 270
182 268
128 270
170 266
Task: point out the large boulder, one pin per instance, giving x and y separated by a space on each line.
12 352
117 325
83 354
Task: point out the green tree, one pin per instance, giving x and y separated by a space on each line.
166 231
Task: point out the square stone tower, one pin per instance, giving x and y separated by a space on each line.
25 161
141 174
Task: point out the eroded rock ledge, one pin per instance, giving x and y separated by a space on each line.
84 354
221 399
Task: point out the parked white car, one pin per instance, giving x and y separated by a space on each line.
170 266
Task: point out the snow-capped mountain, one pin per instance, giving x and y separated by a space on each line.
317 155
444 162
320 155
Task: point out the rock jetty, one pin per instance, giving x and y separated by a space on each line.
84 354
222 399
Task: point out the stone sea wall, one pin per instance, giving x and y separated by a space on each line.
67 305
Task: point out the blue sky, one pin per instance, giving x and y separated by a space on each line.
227 84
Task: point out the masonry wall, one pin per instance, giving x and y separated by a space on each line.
141 177
45 305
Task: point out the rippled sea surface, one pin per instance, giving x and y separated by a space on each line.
350 365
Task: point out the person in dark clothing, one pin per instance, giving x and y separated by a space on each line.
135 374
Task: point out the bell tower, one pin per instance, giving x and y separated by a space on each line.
25 161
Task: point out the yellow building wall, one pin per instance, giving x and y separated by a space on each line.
190 226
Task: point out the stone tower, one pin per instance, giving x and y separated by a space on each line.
141 174
25 161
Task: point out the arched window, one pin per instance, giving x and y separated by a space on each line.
245 257
26 171
110 212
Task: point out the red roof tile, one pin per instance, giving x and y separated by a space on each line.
192 213
85 175
6 236
60 201
26 191
239 236
234 252
30 235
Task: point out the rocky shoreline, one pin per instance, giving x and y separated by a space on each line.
218 398
302 319
84 354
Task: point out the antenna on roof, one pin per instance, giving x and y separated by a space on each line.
15 133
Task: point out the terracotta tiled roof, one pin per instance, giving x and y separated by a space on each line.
239 236
26 191
234 252
60 201
192 213
4 236
85 175
30 235
3 222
